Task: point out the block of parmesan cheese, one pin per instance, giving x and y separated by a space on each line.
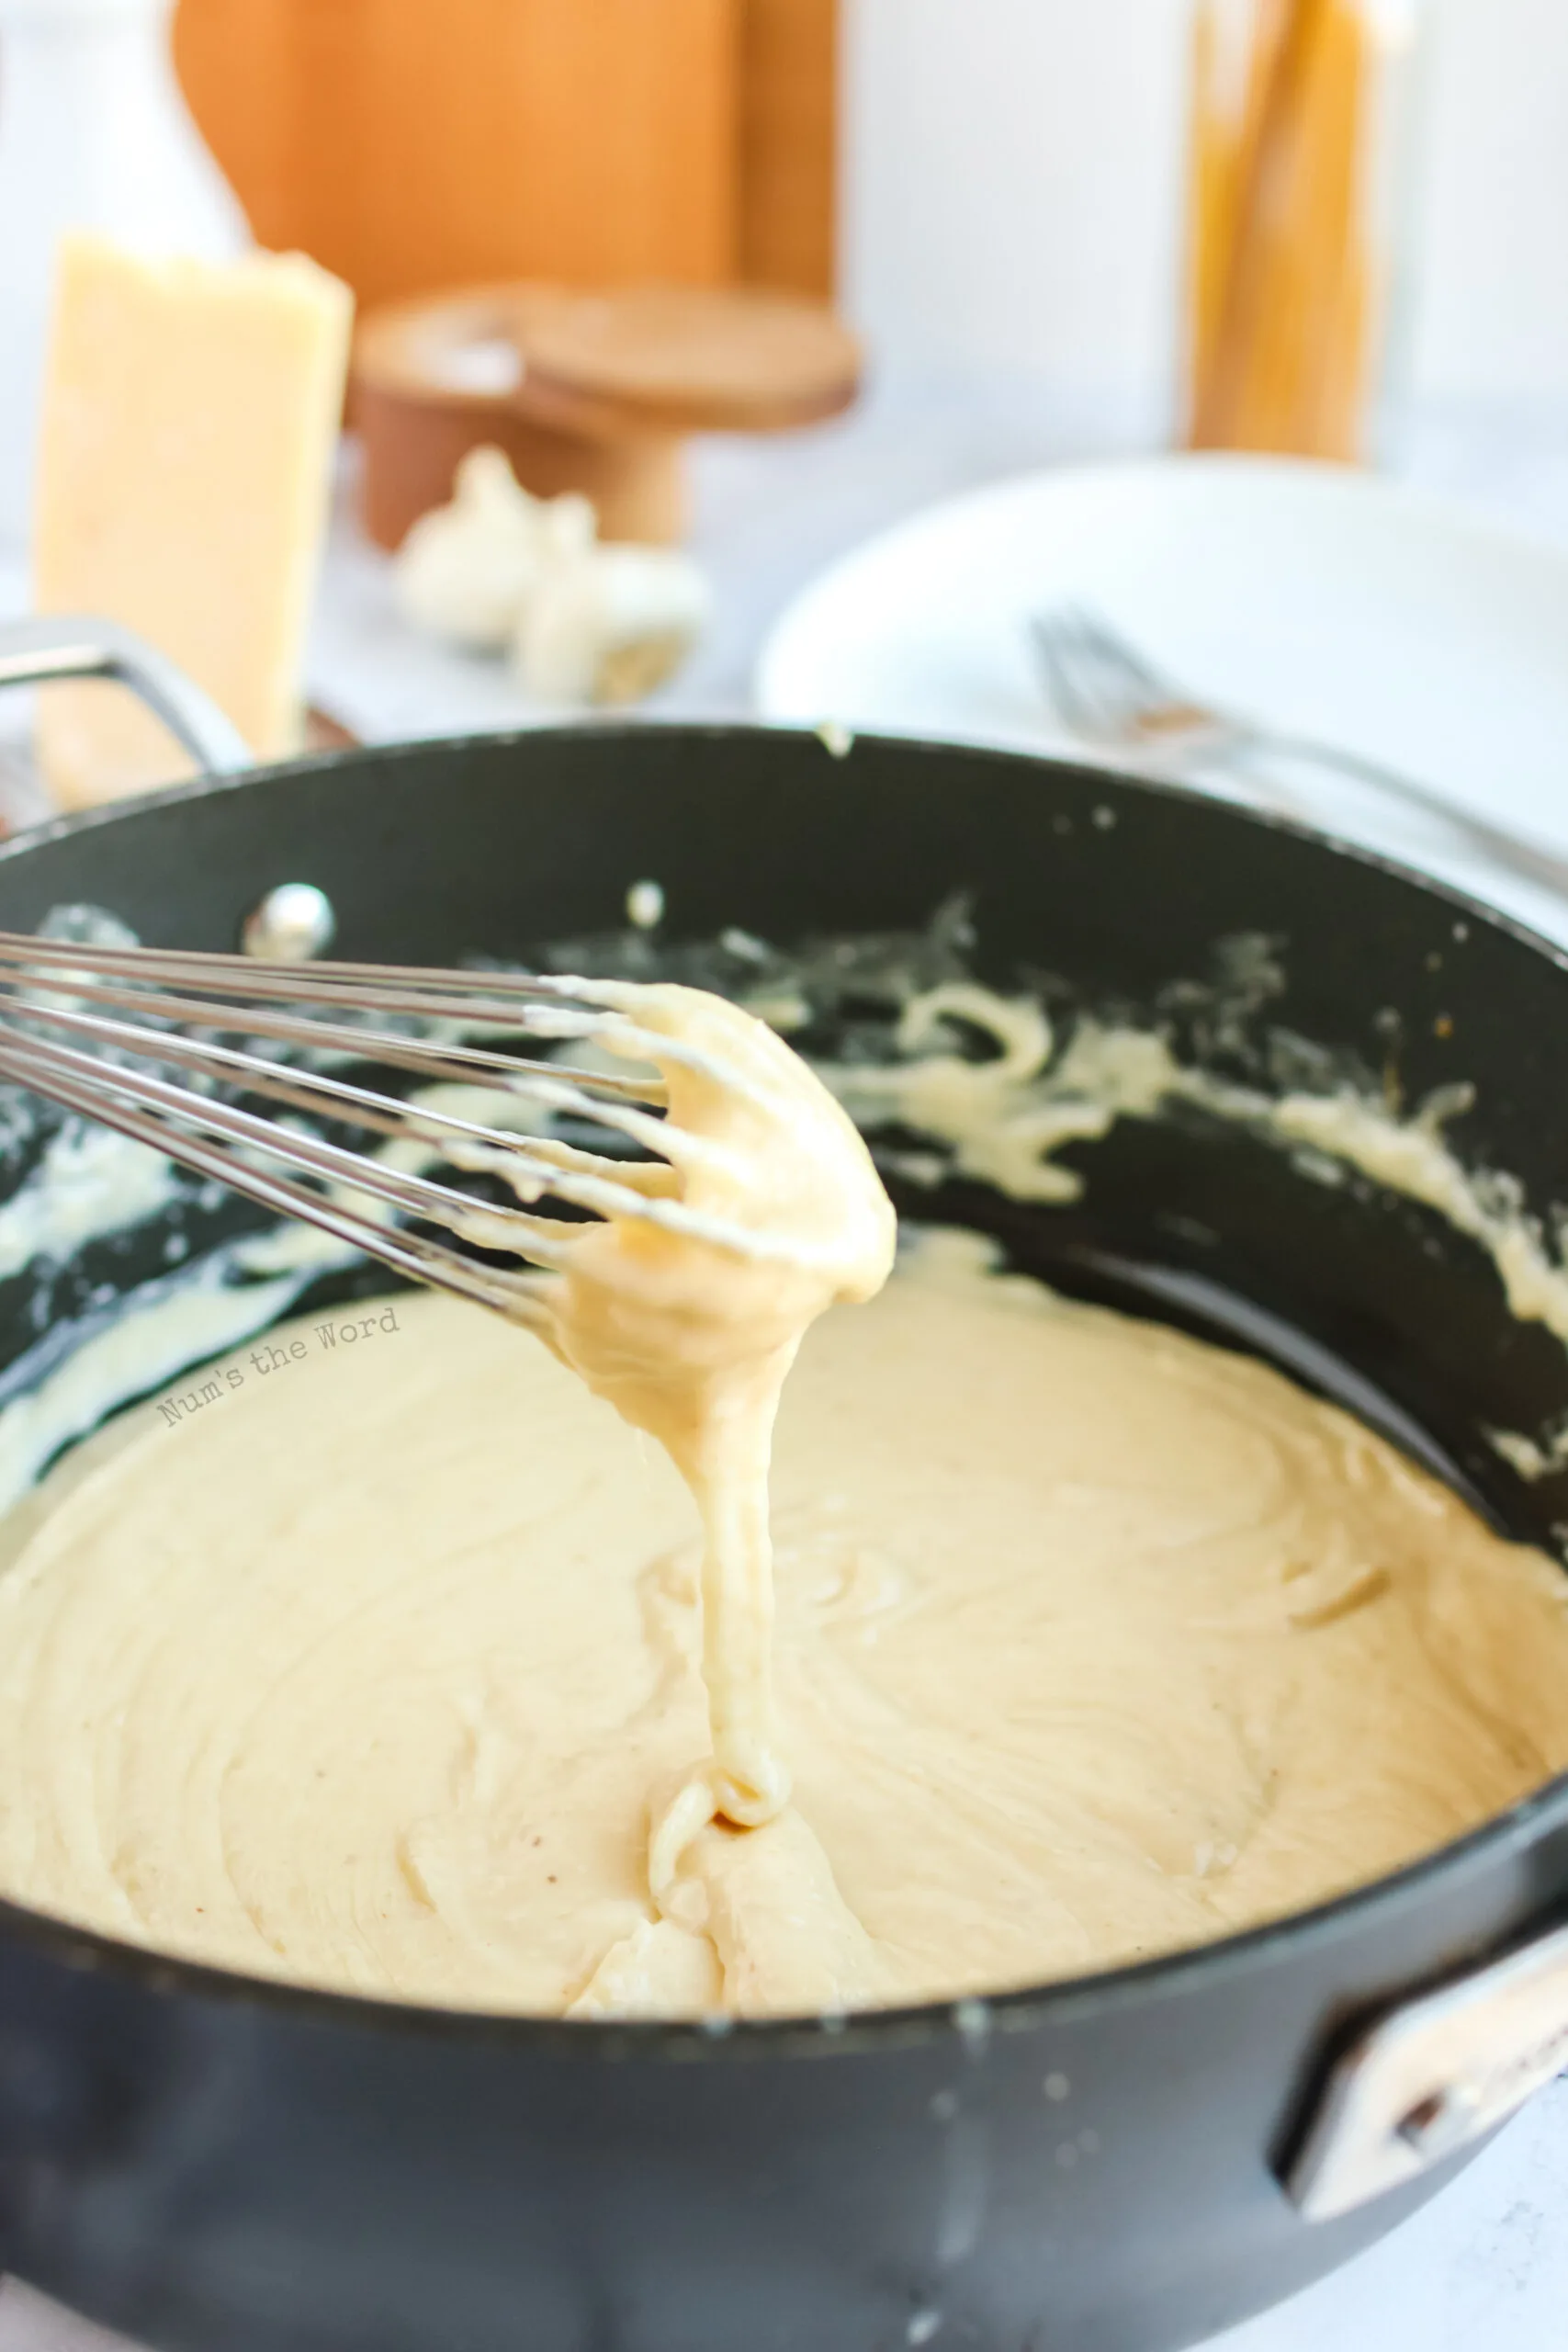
191 413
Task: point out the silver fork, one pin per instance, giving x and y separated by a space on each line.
1109 692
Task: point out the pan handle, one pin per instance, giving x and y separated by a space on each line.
1431 2076
33 653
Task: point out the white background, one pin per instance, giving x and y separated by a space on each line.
1012 193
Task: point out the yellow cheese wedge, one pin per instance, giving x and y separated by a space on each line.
191 411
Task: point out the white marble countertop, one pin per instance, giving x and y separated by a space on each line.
1485 2268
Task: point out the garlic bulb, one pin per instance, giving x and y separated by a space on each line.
609 624
497 568
464 571
568 526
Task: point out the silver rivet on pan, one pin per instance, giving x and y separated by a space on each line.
1443 2122
292 924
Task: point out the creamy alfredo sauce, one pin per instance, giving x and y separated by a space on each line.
398 1663
690 1335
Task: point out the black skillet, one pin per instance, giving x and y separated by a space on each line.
1115 2165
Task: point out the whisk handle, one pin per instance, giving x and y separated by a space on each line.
33 653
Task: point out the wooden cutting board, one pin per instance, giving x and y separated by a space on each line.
414 144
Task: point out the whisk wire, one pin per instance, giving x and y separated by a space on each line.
407 1253
171 1012
397 1049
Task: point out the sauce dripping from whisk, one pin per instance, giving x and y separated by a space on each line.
691 1338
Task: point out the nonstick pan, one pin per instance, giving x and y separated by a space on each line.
1122 2163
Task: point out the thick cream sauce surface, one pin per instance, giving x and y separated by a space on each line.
379 1668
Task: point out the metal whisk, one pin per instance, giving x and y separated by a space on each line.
171 1012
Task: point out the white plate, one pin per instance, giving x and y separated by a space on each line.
1398 626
